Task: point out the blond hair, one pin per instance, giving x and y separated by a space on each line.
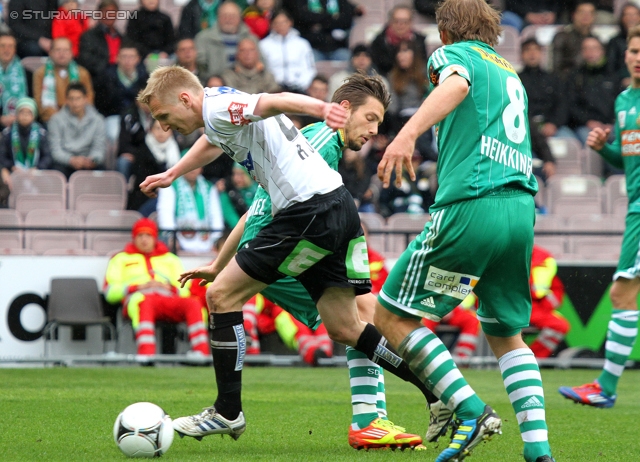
465 20
166 83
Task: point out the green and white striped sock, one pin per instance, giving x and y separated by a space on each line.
522 380
621 335
430 360
363 378
382 396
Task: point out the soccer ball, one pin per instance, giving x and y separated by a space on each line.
143 430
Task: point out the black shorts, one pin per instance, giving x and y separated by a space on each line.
319 242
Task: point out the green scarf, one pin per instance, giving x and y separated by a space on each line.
30 159
192 211
13 85
209 13
316 7
49 98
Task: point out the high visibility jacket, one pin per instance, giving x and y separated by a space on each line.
129 269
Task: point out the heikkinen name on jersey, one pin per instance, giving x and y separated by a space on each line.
505 155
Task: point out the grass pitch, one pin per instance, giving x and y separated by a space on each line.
294 414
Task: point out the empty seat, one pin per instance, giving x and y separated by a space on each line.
104 242
10 238
509 46
328 68
37 189
557 245
616 190
407 227
97 190
568 154
574 194
595 222
375 225
549 223
32 63
69 234
602 248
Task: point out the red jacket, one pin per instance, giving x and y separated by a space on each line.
378 271
70 26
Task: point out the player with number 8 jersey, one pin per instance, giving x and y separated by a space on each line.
480 238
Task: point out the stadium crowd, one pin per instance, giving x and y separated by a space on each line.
571 75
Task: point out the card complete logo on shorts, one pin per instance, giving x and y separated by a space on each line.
456 285
236 112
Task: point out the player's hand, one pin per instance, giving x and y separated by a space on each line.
397 154
598 137
151 184
206 273
335 115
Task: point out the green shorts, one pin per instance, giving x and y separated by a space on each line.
481 245
629 263
291 296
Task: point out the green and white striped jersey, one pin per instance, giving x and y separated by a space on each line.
325 141
484 143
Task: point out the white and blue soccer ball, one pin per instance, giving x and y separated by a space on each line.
143 430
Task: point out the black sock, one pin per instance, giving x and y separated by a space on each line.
228 347
377 349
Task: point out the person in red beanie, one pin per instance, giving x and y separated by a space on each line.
144 278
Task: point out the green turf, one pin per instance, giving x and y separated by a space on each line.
294 414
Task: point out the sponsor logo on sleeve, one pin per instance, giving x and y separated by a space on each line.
456 285
236 112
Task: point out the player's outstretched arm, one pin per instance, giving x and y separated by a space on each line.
442 100
201 153
273 104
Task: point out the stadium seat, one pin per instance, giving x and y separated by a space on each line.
616 191
10 239
42 240
97 190
367 26
105 242
574 194
595 222
74 302
549 223
541 196
601 248
328 68
37 189
31 63
509 46
568 154
376 225
412 225
557 245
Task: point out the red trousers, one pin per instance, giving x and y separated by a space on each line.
145 309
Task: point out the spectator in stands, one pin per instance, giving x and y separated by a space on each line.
548 99
123 83
413 196
50 81
69 25
360 62
135 123
398 29
186 55
257 17
236 194
215 81
191 204
629 17
99 48
287 55
426 8
12 79
326 25
544 164
519 14
144 278
356 179
409 87
594 91
249 74
199 15
547 292
77 134
567 43
157 153
312 345
217 45
33 32
24 143
152 30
